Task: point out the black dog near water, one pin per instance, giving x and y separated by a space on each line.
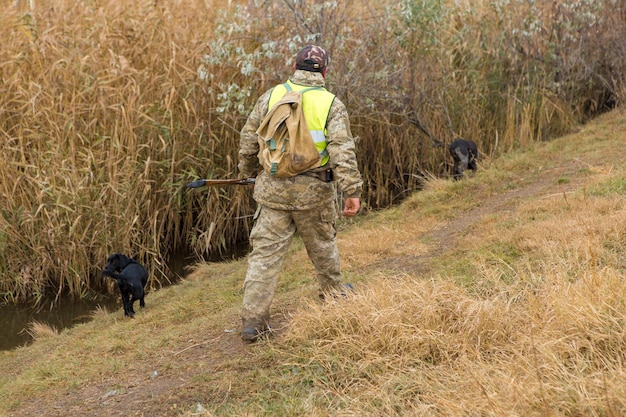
131 279
465 153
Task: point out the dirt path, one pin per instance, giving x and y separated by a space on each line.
442 240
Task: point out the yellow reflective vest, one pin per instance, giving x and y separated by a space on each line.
315 106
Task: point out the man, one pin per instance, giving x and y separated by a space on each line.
304 202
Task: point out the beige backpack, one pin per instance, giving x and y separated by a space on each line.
286 147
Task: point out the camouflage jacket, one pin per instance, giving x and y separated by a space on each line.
302 192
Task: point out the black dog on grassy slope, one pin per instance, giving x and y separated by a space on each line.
131 279
465 153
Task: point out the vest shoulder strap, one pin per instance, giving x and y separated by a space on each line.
288 88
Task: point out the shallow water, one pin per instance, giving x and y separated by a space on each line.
66 312
16 318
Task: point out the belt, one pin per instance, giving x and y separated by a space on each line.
325 176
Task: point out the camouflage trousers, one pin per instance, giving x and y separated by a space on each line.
270 238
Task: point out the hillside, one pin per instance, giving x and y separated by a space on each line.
501 294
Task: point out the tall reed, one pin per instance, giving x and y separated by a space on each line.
103 122
109 107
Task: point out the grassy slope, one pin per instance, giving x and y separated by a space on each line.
502 294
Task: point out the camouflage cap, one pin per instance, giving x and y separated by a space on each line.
312 58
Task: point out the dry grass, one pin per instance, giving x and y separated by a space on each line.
520 312
38 330
404 348
539 334
524 317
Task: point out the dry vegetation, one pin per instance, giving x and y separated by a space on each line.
101 125
108 107
502 294
499 295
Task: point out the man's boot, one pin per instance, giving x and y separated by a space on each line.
253 331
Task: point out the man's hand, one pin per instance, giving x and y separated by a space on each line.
351 207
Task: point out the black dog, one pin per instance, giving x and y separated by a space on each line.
131 279
465 153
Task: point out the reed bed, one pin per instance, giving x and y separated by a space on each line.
109 107
103 122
